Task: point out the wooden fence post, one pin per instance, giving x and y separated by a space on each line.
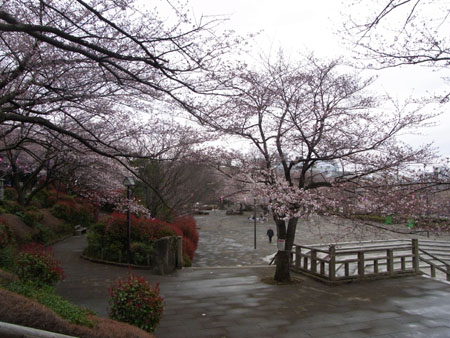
403 263
375 266
179 252
298 256
361 264
332 262
390 261
313 260
415 253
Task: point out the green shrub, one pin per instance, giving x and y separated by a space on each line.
41 197
6 247
109 240
7 260
6 237
115 252
61 210
186 261
38 265
370 217
136 302
43 234
95 239
47 297
74 212
141 252
10 194
32 217
13 207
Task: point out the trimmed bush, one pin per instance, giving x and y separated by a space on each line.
108 240
6 247
10 194
43 234
32 217
186 261
13 207
20 310
188 227
47 297
136 302
141 253
36 264
41 198
7 260
5 236
74 211
188 248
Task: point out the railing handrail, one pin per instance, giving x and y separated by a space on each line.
363 261
434 242
324 264
435 258
352 251
369 250
321 245
434 265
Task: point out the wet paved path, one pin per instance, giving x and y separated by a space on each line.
229 240
236 302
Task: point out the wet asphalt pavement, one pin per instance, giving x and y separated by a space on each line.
230 301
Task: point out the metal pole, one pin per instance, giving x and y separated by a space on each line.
254 219
128 227
2 194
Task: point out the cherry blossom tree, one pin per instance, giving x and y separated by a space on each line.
29 160
392 33
34 157
99 75
301 117
81 61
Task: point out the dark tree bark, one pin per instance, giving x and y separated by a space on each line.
282 272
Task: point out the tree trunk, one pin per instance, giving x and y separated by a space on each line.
286 233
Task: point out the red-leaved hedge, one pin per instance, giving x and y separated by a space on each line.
188 227
111 236
136 302
38 265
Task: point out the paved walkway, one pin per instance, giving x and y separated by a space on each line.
229 240
238 302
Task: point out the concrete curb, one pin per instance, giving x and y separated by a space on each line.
123 265
230 267
13 331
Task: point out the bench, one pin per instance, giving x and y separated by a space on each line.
79 230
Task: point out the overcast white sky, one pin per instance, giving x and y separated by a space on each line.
299 26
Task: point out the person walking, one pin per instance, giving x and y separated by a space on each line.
270 234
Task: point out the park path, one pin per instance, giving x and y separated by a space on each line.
229 240
233 302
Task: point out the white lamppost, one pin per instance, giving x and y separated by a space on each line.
128 182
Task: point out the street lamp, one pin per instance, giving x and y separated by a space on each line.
2 189
128 182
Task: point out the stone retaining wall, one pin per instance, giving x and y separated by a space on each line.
166 255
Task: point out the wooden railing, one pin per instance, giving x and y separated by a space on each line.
358 261
435 255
